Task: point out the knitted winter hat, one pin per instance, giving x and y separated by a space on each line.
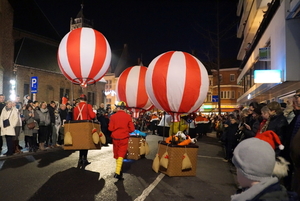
255 158
272 138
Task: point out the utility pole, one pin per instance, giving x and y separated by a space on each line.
218 58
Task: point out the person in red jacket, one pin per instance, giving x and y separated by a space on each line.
83 111
120 125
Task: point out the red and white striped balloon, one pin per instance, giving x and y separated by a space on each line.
84 56
131 89
177 82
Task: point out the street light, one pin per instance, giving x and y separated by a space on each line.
12 91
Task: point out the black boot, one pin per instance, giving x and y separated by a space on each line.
79 164
119 176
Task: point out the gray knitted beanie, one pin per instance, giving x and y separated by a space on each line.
255 158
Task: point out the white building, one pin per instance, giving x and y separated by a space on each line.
270 30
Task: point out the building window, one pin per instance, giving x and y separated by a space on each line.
108 85
68 92
91 98
108 101
26 89
221 78
61 92
210 82
232 94
232 77
209 98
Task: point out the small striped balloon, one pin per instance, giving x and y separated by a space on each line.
84 56
131 89
177 82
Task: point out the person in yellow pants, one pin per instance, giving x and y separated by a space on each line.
120 125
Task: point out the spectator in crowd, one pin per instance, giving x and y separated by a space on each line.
2 105
292 142
254 160
44 124
252 125
8 120
28 132
52 130
278 122
18 128
231 140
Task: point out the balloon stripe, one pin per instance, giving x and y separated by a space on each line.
192 83
63 59
87 51
149 85
100 54
159 79
132 81
73 52
63 71
106 63
175 87
204 83
122 82
142 97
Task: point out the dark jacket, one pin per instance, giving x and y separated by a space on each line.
278 124
51 113
254 128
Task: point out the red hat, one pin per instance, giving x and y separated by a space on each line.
82 97
272 138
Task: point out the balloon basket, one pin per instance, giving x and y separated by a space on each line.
175 157
133 150
81 132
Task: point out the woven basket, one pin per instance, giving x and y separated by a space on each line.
133 150
175 159
81 132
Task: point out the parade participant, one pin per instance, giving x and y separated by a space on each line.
121 125
83 111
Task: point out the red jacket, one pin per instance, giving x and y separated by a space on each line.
86 113
121 125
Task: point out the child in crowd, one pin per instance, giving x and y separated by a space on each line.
255 160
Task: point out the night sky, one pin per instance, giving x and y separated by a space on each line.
152 27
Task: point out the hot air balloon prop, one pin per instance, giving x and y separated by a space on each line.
177 83
131 89
84 56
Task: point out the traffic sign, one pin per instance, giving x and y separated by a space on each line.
215 98
34 84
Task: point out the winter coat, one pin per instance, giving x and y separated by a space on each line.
19 117
13 120
254 128
44 117
269 189
278 124
121 125
28 119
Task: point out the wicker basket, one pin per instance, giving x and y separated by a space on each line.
175 153
81 132
133 150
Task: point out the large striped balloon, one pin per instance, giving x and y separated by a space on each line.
131 89
84 56
177 82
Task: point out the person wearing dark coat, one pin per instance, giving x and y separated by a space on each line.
2 105
278 122
231 140
250 131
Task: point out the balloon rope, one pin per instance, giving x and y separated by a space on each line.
164 126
